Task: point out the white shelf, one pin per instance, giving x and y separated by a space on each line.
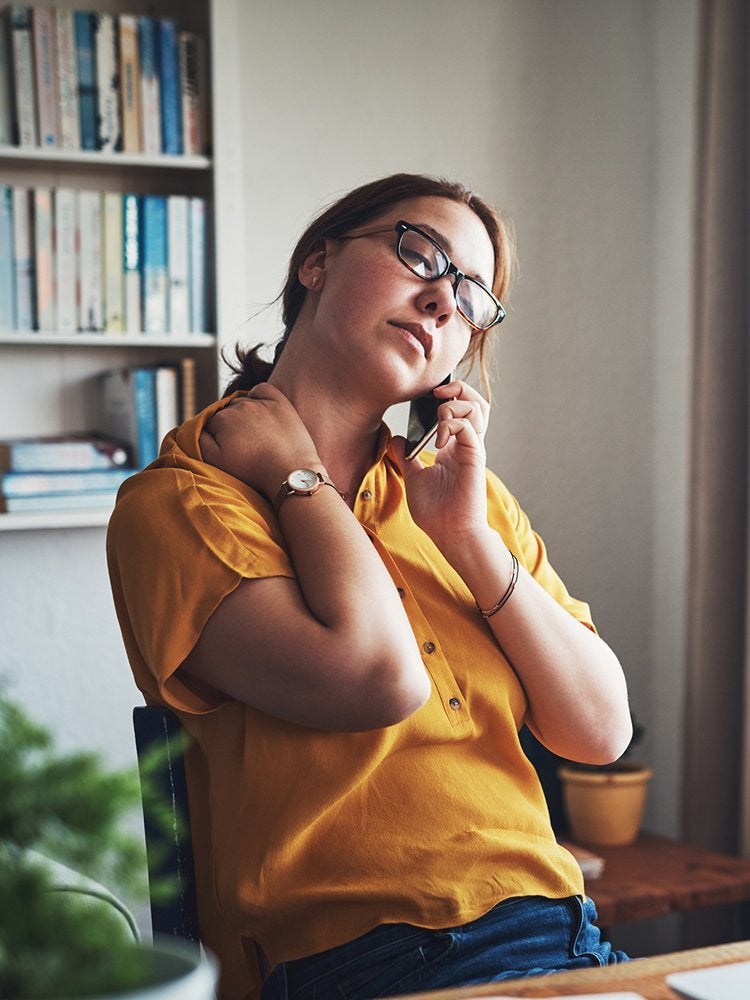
92 156
26 338
55 519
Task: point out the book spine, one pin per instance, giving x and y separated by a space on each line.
67 80
130 83
191 96
114 320
23 75
108 135
43 33
92 499
7 276
20 484
178 252
147 445
166 392
6 89
90 260
188 391
66 277
61 454
23 259
44 259
150 90
198 250
131 257
171 105
86 66
155 275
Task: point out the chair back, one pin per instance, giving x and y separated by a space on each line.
160 744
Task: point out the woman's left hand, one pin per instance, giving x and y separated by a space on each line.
449 498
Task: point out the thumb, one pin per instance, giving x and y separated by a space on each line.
397 451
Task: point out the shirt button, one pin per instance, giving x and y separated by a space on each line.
401 592
455 704
366 494
428 647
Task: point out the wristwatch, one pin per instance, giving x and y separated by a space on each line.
301 483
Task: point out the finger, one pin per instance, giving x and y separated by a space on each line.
397 451
463 408
460 428
461 390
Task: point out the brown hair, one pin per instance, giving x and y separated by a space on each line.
361 206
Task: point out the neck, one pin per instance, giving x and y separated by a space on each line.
344 429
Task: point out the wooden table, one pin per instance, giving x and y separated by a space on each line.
656 875
644 976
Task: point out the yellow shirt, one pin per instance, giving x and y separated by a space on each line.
311 838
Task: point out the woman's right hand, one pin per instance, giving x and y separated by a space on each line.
258 438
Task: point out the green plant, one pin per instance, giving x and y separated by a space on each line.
70 808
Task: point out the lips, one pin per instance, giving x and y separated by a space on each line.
418 332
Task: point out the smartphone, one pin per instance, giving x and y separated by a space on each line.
423 420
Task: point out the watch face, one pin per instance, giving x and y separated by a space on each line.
303 479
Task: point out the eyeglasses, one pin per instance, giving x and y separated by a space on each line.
425 257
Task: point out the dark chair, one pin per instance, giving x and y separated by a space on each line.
160 744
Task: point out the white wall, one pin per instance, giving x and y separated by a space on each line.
575 116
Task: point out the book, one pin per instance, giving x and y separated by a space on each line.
193 96
171 102
131 257
6 88
44 259
89 230
150 88
66 260
167 395
128 409
62 452
130 73
114 319
108 138
88 100
591 865
69 122
188 390
154 263
45 70
24 484
23 259
198 267
24 90
7 269
178 255
88 499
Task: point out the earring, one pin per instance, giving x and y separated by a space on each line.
314 281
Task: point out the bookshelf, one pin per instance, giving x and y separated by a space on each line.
49 377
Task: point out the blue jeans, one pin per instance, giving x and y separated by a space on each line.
520 937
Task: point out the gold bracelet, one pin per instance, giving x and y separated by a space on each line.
511 587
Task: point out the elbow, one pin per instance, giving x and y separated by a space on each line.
389 694
608 744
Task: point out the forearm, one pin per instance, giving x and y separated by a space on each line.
575 686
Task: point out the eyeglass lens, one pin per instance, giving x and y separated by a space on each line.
425 258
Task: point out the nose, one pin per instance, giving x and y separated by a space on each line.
438 298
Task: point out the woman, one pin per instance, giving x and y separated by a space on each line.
372 825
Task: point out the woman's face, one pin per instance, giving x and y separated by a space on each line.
407 332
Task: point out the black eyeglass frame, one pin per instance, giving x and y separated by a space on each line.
401 229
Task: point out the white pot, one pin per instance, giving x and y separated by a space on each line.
183 973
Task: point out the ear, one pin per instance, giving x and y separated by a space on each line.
312 270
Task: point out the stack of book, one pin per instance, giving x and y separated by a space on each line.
74 79
140 404
75 261
58 473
